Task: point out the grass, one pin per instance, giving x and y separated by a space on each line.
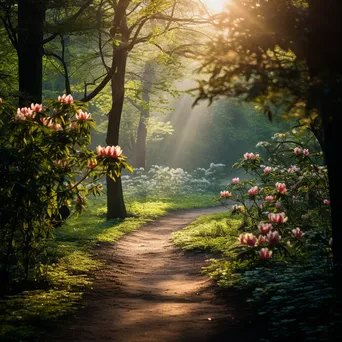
215 233
294 300
69 264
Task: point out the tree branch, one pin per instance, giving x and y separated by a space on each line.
68 20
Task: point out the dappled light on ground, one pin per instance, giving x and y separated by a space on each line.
149 290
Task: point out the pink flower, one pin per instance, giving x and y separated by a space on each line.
297 150
82 116
47 122
68 99
250 156
293 169
236 180
261 240
58 127
92 163
269 198
24 114
109 151
73 125
265 253
267 169
306 152
61 163
247 239
297 232
236 207
265 228
253 191
281 188
326 201
36 107
278 204
277 218
225 194
273 237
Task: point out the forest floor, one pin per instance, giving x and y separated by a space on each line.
149 290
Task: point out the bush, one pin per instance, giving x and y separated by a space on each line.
47 172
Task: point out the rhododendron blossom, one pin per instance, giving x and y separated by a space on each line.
58 127
297 232
297 150
281 188
251 155
47 122
261 240
306 152
269 198
248 239
253 191
293 169
265 228
24 114
68 99
225 194
273 237
236 180
82 116
277 218
109 151
267 169
92 163
73 125
236 207
326 201
61 163
265 253
36 107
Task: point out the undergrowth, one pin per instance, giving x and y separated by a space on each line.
66 270
294 300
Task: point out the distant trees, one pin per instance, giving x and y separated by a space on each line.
115 29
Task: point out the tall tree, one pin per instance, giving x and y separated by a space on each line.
284 53
131 27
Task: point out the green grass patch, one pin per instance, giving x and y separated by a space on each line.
215 233
68 266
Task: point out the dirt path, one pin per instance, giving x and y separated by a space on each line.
150 291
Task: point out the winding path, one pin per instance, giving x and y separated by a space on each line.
151 291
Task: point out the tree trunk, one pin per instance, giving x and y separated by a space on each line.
148 79
31 16
332 123
115 201
326 67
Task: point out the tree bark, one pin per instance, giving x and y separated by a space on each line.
115 202
31 16
148 79
324 62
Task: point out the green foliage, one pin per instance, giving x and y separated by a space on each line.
47 172
159 181
69 264
210 232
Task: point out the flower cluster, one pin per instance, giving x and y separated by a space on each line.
67 99
109 151
250 155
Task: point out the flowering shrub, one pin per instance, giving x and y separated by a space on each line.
285 207
166 181
47 172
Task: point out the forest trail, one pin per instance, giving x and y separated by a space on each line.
151 291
